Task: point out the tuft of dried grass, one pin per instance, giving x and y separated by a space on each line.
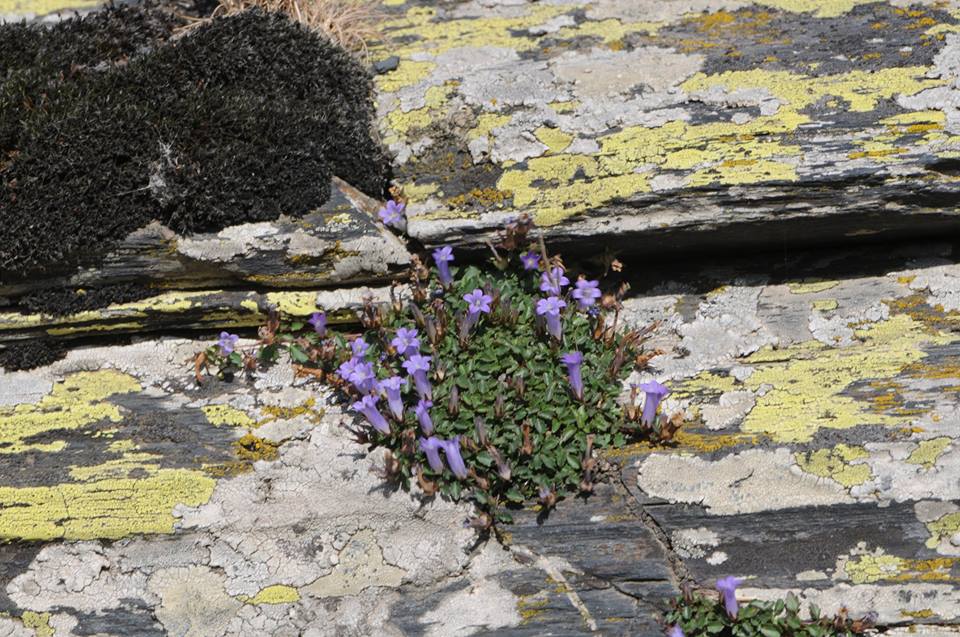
350 23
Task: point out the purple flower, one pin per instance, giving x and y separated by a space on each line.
550 308
442 257
530 260
368 407
478 302
423 415
728 589
391 387
431 447
359 347
347 368
451 448
319 322
227 343
418 366
655 392
553 281
363 377
406 341
573 360
392 214
587 292
676 631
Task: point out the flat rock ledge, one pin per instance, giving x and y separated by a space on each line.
820 456
657 126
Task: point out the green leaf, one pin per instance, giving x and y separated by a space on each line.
768 631
297 354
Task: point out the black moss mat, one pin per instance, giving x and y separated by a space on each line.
107 125
31 354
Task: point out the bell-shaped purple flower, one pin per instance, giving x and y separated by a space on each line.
392 214
347 368
363 377
728 590
550 309
418 366
675 631
391 387
407 341
655 392
553 281
319 322
451 448
368 407
477 303
573 360
530 260
227 343
586 292
423 415
359 347
443 257
431 448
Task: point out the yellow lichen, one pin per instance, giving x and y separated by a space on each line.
836 464
407 73
79 400
39 622
43 7
928 451
874 567
276 412
862 90
101 509
825 305
219 415
554 139
942 529
276 594
609 31
253 448
293 303
811 286
808 380
819 8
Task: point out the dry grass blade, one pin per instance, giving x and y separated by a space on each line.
350 23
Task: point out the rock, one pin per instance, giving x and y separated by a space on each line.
339 245
659 128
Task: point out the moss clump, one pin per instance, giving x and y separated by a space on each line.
30 354
243 120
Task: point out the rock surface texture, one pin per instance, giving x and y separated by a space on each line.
657 125
821 450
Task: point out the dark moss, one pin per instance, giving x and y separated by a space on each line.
243 120
63 301
30 354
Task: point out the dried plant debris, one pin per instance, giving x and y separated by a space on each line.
350 23
244 119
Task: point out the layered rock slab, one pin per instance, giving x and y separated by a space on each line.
820 454
654 127
224 279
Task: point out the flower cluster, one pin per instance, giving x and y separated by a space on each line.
492 384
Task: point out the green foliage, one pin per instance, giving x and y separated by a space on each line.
698 614
508 374
500 387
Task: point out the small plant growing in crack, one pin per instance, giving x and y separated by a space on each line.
698 613
493 384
